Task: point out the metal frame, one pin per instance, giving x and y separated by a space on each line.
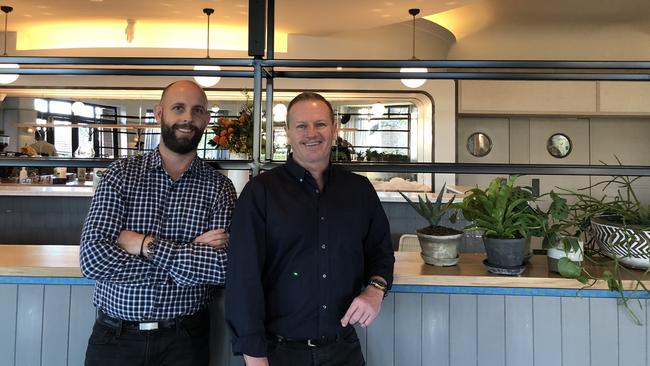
267 69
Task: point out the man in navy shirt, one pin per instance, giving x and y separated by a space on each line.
311 254
154 241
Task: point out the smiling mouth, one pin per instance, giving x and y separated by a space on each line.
312 143
185 129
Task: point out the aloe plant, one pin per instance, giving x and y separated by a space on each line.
431 211
502 210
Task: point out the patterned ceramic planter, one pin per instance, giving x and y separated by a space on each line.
629 246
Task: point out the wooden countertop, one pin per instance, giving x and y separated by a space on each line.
39 260
410 269
63 261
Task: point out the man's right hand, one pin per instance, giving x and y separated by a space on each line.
256 361
217 238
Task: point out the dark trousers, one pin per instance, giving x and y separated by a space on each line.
186 344
345 351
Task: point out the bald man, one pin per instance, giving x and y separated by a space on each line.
155 243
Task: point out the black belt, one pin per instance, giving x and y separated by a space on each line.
149 325
313 342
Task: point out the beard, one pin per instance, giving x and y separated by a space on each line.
179 145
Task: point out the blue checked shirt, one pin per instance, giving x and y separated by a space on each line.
178 279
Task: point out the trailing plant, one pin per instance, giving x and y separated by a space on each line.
624 207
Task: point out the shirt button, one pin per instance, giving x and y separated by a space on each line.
324 307
316 190
323 246
324 275
301 179
322 218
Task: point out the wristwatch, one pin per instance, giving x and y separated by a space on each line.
378 284
150 247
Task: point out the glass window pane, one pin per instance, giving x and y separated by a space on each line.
40 105
63 138
60 107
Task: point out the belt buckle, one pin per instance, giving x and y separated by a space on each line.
148 326
310 343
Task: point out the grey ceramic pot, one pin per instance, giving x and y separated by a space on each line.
506 253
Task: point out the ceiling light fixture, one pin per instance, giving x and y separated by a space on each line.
7 78
413 83
129 31
377 110
207 81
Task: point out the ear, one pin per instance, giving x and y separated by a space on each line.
157 112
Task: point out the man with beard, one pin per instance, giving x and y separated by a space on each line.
155 242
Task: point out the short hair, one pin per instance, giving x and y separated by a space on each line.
306 96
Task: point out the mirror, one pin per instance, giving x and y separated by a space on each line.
559 145
479 144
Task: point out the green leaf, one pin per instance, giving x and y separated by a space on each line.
569 269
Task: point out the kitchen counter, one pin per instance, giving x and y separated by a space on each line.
52 190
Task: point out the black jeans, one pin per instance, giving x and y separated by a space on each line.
186 344
345 351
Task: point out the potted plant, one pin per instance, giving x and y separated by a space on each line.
561 235
504 215
612 226
439 244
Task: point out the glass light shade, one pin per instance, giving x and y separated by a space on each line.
280 112
377 110
207 81
78 108
8 78
413 83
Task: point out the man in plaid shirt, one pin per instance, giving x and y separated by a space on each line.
155 242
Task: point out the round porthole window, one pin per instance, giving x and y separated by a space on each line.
559 145
479 144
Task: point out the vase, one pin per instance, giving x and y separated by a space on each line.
238 177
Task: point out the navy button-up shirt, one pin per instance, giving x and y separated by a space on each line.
299 256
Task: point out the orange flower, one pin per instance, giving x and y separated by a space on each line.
225 122
223 133
230 130
223 140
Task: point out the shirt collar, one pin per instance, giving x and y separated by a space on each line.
155 163
299 172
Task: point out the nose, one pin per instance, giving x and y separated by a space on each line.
187 116
310 130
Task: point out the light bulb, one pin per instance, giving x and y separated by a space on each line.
8 78
377 110
413 83
207 81
78 108
280 112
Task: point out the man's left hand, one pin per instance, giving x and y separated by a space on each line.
364 308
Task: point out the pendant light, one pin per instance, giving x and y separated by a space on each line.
207 81
377 110
413 83
7 78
